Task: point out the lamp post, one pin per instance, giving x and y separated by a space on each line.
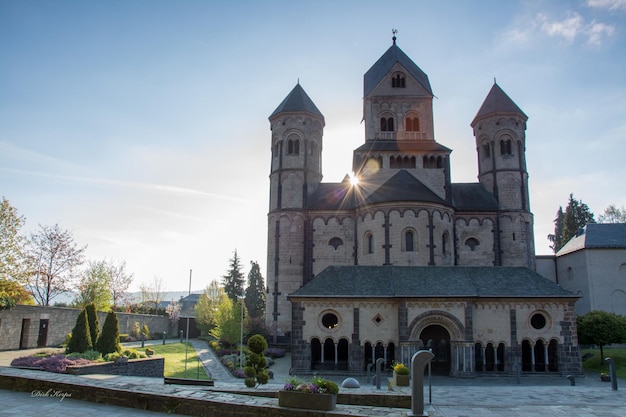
241 297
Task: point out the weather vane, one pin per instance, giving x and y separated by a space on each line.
394 31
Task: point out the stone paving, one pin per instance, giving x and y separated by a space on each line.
549 396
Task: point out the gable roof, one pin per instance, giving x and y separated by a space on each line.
597 236
297 101
376 145
393 55
428 282
403 187
497 102
332 196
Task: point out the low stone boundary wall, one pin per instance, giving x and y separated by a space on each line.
159 402
150 367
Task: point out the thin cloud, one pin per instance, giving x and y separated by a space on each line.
127 184
608 4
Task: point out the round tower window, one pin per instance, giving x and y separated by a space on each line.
330 321
538 321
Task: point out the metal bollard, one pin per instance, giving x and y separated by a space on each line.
572 380
181 336
518 373
379 364
369 369
612 372
164 335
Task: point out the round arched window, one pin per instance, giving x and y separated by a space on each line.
538 321
330 321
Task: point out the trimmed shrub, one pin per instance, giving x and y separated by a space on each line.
108 342
256 363
94 326
81 338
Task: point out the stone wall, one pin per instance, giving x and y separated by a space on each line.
20 327
148 367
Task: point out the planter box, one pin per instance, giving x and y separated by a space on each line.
401 380
295 399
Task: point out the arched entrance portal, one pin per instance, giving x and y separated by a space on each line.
437 339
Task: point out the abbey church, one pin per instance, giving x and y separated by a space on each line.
399 258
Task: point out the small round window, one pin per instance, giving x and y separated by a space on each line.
538 321
330 321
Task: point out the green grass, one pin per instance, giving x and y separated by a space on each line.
593 364
174 354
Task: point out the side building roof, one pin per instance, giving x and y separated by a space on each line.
597 236
428 282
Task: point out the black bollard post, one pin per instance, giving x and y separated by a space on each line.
143 339
572 380
518 373
369 369
164 334
181 336
379 365
612 372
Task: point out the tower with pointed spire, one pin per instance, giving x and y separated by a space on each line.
499 130
297 128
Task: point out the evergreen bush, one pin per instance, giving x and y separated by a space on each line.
109 340
92 319
81 338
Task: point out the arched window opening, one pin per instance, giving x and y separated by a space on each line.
316 354
369 243
335 242
505 147
445 240
386 124
409 240
293 146
478 357
472 243
553 356
398 81
540 358
439 162
486 150
527 356
412 124
490 358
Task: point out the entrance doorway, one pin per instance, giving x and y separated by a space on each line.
437 339
42 337
25 333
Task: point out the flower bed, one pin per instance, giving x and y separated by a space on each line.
53 363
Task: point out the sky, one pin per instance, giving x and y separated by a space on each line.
142 126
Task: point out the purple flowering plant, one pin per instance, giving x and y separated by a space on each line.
317 385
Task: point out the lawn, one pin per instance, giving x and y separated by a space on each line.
617 354
174 354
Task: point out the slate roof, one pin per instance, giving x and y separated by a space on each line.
597 236
297 101
429 282
332 196
473 197
403 187
394 54
497 102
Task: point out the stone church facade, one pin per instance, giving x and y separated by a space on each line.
397 257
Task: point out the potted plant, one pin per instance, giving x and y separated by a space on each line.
401 374
318 394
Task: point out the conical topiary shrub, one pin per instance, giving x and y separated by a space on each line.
92 319
109 340
81 338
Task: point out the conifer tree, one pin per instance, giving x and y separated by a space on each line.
233 280
109 340
255 293
576 216
92 320
81 338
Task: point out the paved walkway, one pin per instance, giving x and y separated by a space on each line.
478 397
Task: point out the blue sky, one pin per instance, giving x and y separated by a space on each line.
141 126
